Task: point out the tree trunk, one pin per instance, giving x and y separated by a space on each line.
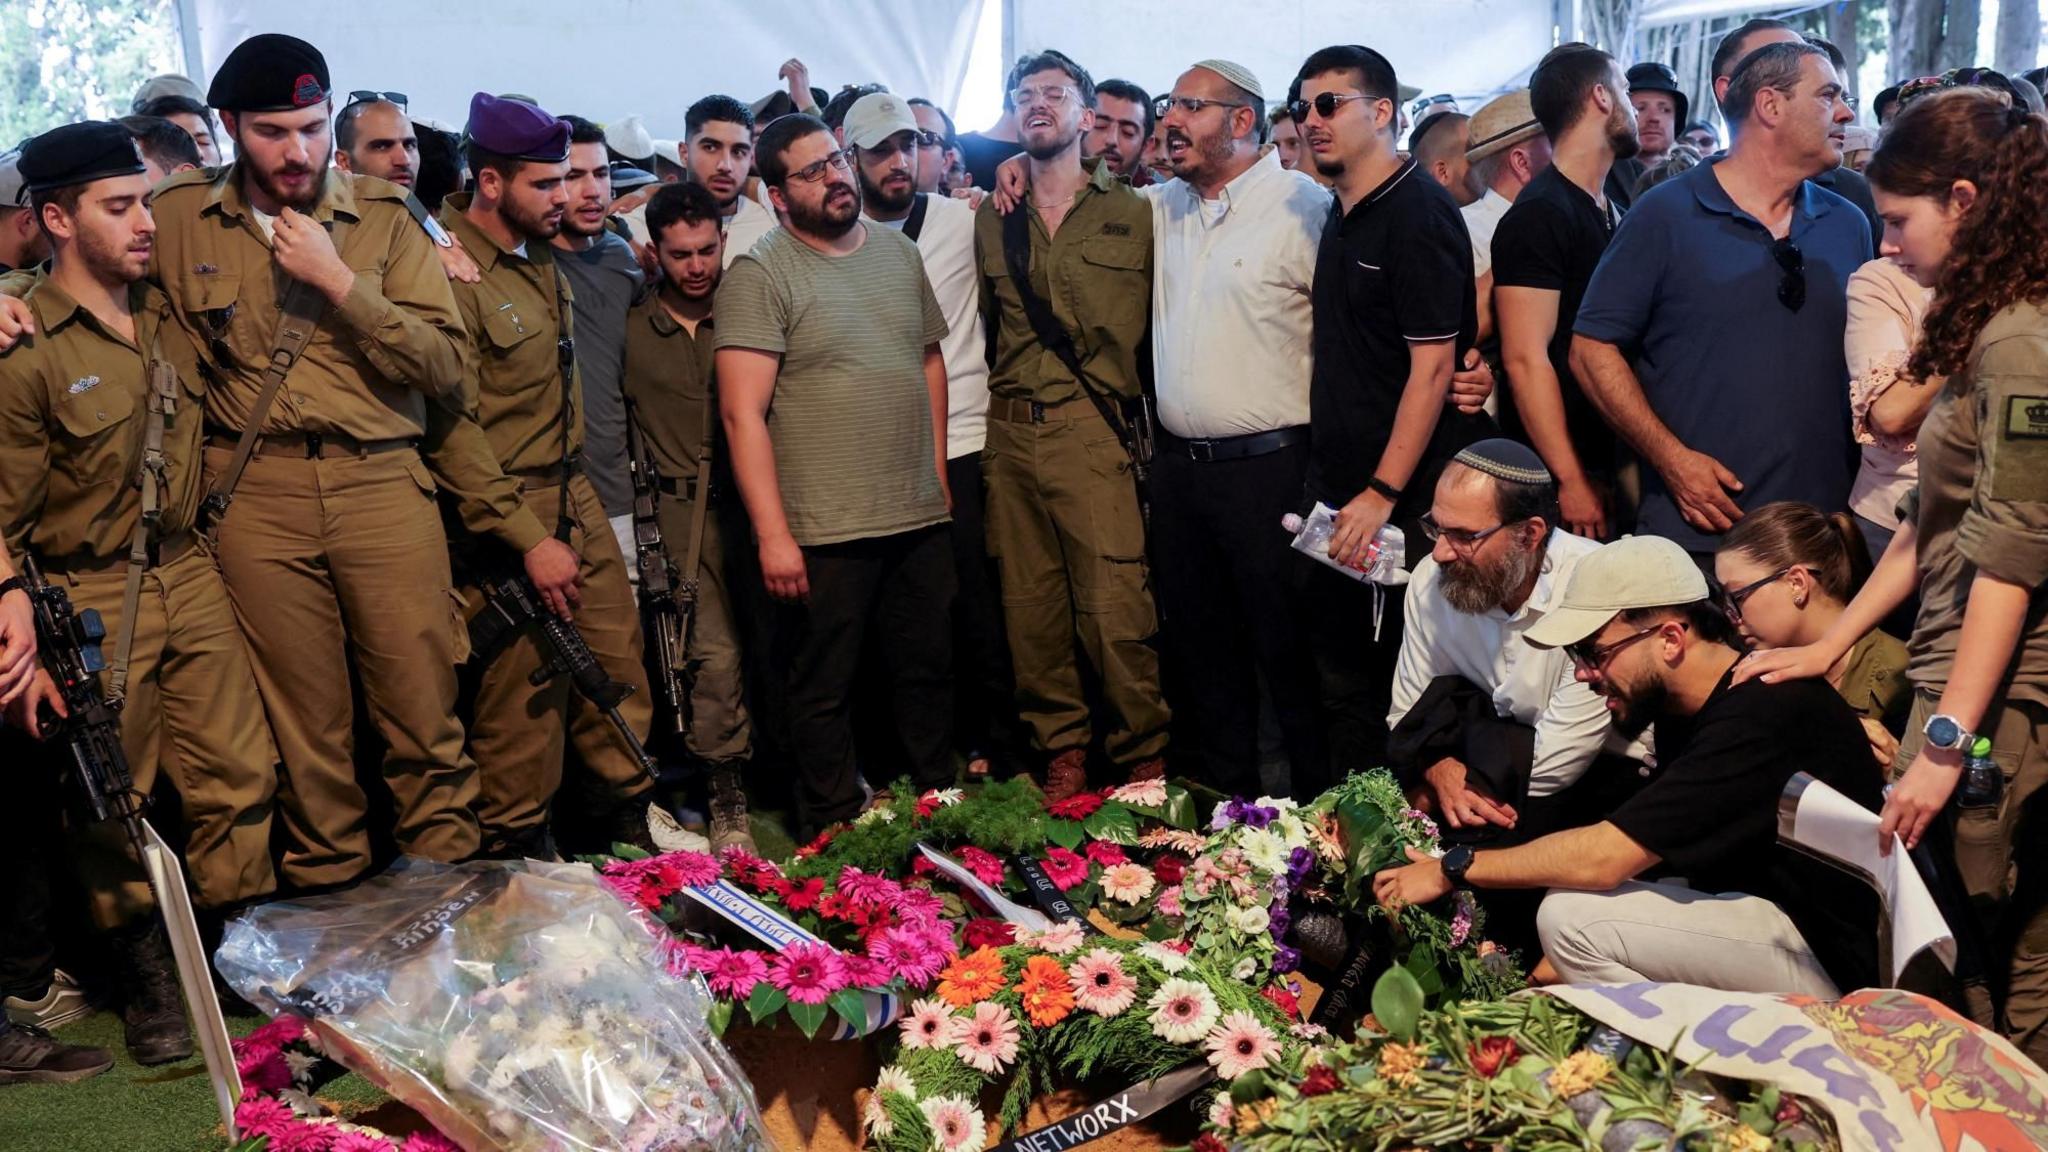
2019 36
1842 31
1915 38
1959 35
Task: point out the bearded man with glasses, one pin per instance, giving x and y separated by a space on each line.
1724 904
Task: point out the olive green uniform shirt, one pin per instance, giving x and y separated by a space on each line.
1874 680
1095 274
669 381
1983 498
74 408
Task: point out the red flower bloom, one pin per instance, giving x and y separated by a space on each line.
1492 1054
800 895
922 865
1169 870
986 866
1208 1143
832 906
1067 870
818 845
1320 1081
1105 854
1078 807
1284 1000
986 933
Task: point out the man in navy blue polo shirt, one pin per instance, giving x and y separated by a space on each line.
1728 287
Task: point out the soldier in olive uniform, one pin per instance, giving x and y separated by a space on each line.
1063 516
333 548
99 480
669 346
526 401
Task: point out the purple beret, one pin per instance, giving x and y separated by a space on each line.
517 129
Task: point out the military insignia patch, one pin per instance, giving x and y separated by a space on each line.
307 91
2026 418
1116 229
83 384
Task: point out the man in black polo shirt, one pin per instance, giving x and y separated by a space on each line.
1686 882
1394 310
1544 253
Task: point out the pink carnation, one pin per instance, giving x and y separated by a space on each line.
809 973
986 866
1105 854
263 1116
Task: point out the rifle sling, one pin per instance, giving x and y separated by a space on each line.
297 319
162 381
565 351
1051 333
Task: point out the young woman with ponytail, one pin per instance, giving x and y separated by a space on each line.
1787 572
1961 180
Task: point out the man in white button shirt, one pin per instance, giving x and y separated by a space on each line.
1497 566
1508 149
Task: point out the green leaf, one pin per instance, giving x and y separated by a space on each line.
1160 928
1397 1003
625 851
851 1006
719 1017
1249 1088
597 862
1112 822
1180 809
809 1017
1067 834
766 1001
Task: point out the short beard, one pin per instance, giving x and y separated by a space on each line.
823 221
1476 589
532 227
872 196
1621 137
570 226
107 263
303 203
1059 144
1640 707
1204 155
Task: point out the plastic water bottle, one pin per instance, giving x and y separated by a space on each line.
1387 559
1983 785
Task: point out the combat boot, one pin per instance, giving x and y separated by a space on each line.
1067 775
153 1008
729 826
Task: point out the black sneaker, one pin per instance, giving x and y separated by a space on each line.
29 1055
153 1008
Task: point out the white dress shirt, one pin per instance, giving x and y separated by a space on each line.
1529 685
1231 317
1482 219
946 242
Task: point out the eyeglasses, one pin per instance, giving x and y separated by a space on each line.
1587 654
1325 105
1053 94
1792 285
365 96
1190 105
1732 601
813 172
1463 541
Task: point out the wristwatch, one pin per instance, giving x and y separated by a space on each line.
1455 862
15 583
1947 733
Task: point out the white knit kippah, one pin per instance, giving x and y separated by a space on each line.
1237 74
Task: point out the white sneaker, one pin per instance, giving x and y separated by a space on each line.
63 1002
670 836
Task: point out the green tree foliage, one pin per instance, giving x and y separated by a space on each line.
68 60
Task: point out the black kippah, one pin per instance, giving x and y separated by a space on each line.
78 154
270 73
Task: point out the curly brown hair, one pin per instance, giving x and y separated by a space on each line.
1995 258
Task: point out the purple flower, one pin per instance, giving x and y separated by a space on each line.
1286 959
1461 920
1250 815
1299 862
1278 919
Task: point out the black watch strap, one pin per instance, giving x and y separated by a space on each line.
15 583
1383 488
1455 863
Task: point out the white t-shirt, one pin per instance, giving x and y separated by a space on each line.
946 242
1482 219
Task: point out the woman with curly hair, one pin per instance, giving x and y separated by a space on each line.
1961 181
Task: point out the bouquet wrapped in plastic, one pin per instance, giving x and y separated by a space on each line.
517 1006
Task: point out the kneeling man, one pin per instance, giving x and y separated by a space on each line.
1750 915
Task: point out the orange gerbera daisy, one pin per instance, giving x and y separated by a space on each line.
972 978
1045 992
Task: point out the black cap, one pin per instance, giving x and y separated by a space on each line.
78 154
270 73
1654 76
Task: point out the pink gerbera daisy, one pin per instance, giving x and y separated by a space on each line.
263 1116
908 953
865 971
1238 1044
1182 1011
919 906
1059 939
1128 883
1067 870
987 1040
956 1124
1100 983
929 1025
430 1142
868 888
809 973
360 1142
304 1137
986 866
733 973
689 869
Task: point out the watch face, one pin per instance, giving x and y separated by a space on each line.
1943 732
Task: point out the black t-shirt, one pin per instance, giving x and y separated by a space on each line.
1711 813
1851 185
1552 239
984 154
1622 178
1397 267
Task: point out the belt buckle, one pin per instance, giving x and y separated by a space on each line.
1037 412
314 441
1202 451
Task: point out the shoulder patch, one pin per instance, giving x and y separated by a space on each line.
2026 418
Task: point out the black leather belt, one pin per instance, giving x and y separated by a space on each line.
685 489
313 445
1222 448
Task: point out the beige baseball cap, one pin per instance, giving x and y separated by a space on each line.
1633 572
877 116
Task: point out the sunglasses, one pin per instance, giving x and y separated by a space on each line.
1325 105
365 96
1587 654
1792 284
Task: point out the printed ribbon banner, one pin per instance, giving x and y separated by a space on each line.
779 932
1118 1111
1896 1071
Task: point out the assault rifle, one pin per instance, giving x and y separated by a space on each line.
668 599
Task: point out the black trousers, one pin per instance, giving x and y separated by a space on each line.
1227 592
984 705
1355 657
901 588
27 952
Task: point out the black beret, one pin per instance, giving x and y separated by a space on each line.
78 154
517 128
270 73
